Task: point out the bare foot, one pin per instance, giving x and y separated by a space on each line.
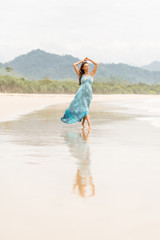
83 125
89 127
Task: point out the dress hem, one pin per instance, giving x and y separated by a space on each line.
69 117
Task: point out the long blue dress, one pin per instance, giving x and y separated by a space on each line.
79 106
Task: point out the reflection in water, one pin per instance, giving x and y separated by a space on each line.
79 148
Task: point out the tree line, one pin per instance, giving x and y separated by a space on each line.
10 84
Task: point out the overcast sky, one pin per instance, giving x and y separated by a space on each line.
105 31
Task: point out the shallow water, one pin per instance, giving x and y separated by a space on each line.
60 182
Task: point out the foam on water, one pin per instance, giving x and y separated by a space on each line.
154 121
149 107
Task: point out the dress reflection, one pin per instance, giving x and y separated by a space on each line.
79 148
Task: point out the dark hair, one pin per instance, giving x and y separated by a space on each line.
81 71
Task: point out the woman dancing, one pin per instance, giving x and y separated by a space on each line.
79 107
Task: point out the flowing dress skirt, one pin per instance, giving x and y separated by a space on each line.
79 106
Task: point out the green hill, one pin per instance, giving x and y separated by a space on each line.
153 66
39 64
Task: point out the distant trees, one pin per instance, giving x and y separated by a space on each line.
12 84
9 69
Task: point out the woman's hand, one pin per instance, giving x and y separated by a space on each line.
86 59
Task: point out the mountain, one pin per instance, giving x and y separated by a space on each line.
39 64
153 66
130 73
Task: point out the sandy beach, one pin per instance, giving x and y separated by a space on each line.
13 105
58 181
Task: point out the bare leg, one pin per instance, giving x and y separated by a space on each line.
88 120
83 121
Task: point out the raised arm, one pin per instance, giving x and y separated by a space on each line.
75 66
95 66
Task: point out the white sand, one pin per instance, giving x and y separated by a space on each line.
38 170
12 105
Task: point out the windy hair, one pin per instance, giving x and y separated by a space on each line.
81 71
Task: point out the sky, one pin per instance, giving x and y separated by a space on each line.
115 31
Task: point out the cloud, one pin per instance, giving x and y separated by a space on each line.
108 31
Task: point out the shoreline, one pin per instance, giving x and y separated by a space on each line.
40 159
14 105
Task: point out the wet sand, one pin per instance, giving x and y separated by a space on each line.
59 182
13 105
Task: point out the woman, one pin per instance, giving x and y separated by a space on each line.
79 107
